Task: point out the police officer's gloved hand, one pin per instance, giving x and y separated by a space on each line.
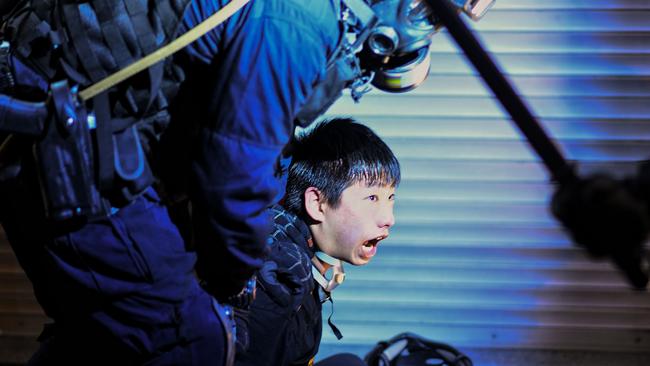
609 218
223 285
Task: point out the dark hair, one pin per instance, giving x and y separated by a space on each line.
334 155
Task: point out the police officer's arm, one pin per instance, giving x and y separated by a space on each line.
263 79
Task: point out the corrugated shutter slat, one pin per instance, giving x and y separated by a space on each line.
475 258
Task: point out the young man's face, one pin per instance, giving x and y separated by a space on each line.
352 231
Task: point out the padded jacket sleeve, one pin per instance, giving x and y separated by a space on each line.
263 63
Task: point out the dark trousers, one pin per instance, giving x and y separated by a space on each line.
202 344
121 289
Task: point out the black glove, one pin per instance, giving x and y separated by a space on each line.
609 218
224 290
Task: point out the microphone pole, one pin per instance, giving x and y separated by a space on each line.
561 171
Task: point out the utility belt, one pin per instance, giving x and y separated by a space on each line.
85 163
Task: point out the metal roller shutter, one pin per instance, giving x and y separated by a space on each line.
475 259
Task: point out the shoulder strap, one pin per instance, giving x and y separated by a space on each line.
163 52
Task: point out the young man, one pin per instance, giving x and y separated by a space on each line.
338 207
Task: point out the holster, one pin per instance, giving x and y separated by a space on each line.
80 171
64 157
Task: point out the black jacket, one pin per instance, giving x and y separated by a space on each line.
285 318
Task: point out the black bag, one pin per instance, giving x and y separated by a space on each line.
408 349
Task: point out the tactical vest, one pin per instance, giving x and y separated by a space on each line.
81 42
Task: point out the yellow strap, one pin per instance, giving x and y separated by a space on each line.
159 54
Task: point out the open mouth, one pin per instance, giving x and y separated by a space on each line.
371 243
370 246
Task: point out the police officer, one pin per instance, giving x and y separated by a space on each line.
76 198
116 278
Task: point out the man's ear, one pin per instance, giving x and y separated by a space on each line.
314 204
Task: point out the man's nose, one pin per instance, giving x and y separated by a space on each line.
386 219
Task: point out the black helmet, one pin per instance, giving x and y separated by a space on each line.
408 349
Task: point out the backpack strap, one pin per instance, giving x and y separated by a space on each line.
174 46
